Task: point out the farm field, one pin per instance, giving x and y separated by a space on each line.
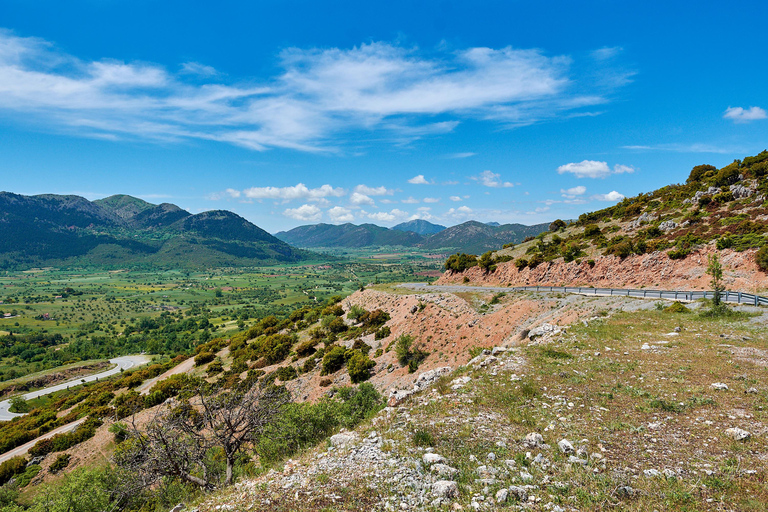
56 316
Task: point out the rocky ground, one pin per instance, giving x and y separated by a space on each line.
637 410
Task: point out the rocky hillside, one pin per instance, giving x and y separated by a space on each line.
661 239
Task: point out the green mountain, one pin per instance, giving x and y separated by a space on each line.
420 227
475 237
347 235
123 230
472 237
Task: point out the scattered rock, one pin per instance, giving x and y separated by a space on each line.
433 458
651 473
719 386
543 329
342 440
625 491
738 434
502 495
565 446
443 469
533 440
518 492
445 489
667 225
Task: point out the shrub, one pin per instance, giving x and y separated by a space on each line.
698 172
324 383
460 262
592 230
382 333
557 225
761 258
357 313
521 263
286 373
11 468
333 310
333 360
273 348
423 438
120 431
204 357
60 463
723 197
407 354
677 307
536 260
307 348
359 367
337 326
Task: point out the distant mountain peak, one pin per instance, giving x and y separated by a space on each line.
419 226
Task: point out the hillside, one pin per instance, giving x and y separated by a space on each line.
123 230
662 238
420 227
471 237
347 235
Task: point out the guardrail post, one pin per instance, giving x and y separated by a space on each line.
739 298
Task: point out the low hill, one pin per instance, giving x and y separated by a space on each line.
347 235
420 227
471 237
122 230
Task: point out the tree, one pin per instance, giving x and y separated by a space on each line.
557 225
179 441
715 269
761 258
359 367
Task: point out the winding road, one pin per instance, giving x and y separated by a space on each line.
122 363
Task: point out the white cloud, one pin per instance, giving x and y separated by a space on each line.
741 115
305 212
575 191
358 199
586 169
491 179
431 199
623 169
687 148
374 191
460 213
390 216
318 94
455 198
299 191
418 180
536 211
606 52
340 214
410 200
466 154
593 169
612 197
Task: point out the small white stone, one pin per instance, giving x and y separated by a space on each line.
565 446
719 386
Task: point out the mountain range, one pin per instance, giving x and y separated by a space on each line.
122 230
470 237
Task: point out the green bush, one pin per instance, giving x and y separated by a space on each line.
677 307
460 262
204 357
761 258
382 333
536 260
592 230
521 263
407 354
11 468
286 373
333 360
359 367
61 462
356 313
699 172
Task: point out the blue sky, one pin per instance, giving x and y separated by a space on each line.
292 112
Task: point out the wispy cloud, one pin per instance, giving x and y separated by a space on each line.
593 169
741 115
491 179
462 155
374 191
319 97
686 148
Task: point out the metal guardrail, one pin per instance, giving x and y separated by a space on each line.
726 296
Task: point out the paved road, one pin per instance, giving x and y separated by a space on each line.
123 363
23 449
727 296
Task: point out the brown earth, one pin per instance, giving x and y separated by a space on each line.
652 271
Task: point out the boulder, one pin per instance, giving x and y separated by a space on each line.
445 489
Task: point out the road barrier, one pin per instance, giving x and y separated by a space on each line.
726 296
